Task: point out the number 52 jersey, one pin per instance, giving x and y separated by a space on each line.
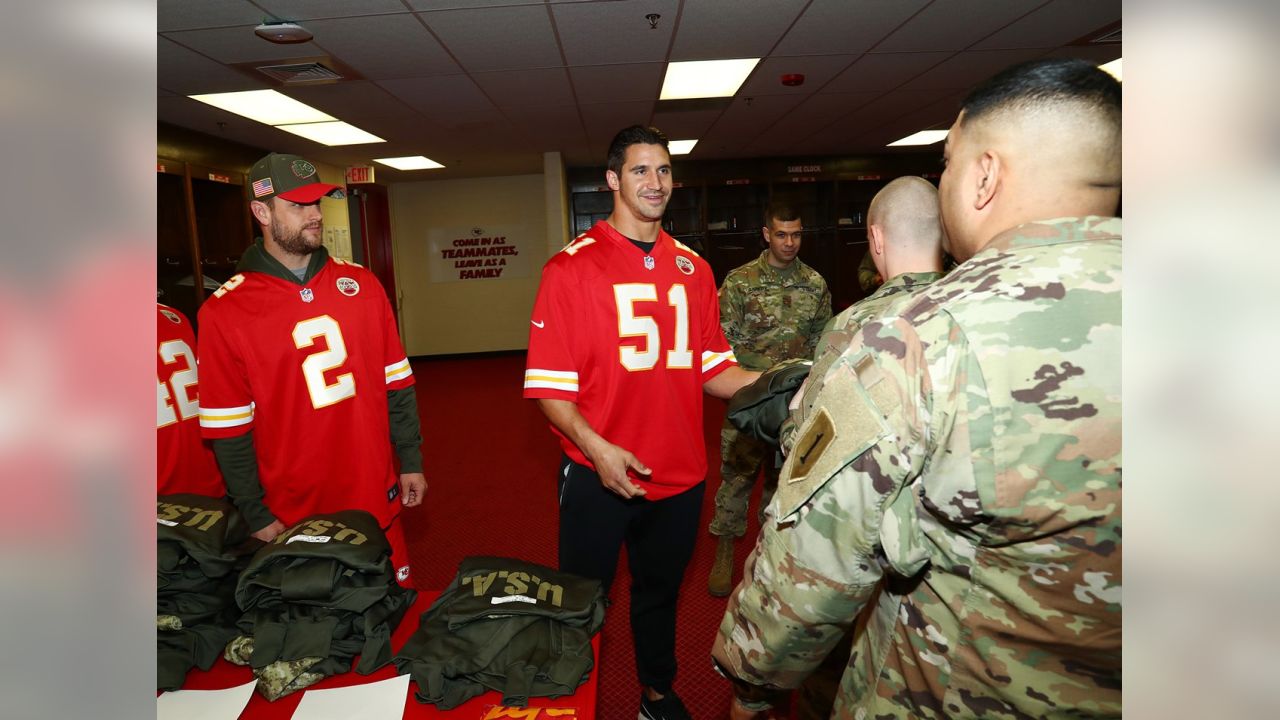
307 369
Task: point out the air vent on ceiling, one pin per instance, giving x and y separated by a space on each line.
1111 37
300 73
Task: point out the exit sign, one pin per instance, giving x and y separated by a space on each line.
359 174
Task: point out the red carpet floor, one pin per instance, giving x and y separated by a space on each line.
490 466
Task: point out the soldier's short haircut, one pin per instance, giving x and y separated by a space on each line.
784 212
634 135
1042 83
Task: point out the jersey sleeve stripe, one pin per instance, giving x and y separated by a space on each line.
551 380
226 417
398 371
713 359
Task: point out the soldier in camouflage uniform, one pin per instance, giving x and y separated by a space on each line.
904 242
966 448
771 309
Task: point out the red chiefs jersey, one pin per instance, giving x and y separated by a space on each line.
184 462
630 338
307 369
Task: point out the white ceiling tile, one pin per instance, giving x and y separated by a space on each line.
617 83
187 72
465 4
818 70
450 100
314 9
526 88
685 125
884 71
497 38
966 69
954 24
604 120
240 45
841 27
345 100
381 47
187 15
1057 23
722 29
611 33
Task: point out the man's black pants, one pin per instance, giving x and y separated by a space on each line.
659 535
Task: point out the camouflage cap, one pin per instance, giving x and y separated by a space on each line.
289 177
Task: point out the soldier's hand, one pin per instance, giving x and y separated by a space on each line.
269 533
612 463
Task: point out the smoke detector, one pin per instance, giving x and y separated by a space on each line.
282 32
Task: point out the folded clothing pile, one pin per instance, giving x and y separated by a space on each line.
316 596
201 545
516 627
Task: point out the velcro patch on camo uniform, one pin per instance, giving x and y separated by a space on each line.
848 418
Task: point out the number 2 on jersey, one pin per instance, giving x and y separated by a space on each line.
632 325
318 363
178 404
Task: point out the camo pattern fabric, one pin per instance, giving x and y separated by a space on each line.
837 335
967 451
770 315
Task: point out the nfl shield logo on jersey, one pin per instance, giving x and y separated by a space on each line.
685 264
307 295
172 316
348 286
648 262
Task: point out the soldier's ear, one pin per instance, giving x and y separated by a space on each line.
875 239
989 176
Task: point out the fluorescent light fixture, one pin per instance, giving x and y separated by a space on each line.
1113 67
414 162
705 78
265 106
332 133
924 137
681 147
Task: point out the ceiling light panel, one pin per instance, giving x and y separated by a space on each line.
681 147
705 78
415 162
264 106
924 137
332 133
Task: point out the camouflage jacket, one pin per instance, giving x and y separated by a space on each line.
837 334
868 275
769 316
964 455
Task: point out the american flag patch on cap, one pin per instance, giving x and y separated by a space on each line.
262 187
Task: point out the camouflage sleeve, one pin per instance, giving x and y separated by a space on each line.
838 507
819 322
733 300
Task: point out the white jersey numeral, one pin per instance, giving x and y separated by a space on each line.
632 325
178 403
318 363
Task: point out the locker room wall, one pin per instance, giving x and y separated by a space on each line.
481 315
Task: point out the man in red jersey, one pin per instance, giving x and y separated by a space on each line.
184 463
305 386
625 338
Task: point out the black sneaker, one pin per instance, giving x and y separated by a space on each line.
668 708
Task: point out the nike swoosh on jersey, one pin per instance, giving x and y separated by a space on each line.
537 324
